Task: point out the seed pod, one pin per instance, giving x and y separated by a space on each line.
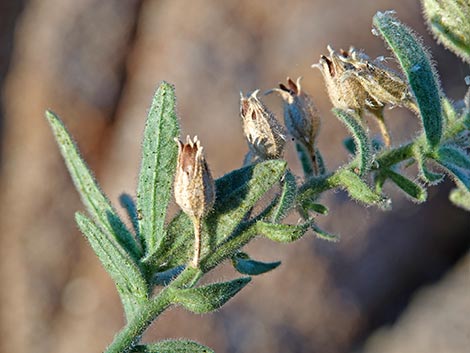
381 83
194 186
300 116
265 136
344 89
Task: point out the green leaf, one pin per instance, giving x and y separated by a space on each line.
362 145
166 277
459 175
448 20
460 198
324 234
159 155
358 189
430 177
247 266
454 155
129 281
286 198
409 187
417 66
237 193
128 204
282 233
305 160
173 346
92 197
315 207
208 298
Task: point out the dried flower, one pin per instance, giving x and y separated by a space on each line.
300 116
265 136
194 186
355 82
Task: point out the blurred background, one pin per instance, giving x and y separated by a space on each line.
397 282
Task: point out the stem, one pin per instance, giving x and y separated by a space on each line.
129 336
197 241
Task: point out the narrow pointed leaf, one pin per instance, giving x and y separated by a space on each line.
208 298
247 266
459 175
324 234
409 187
430 177
92 197
124 272
164 278
454 155
417 67
282 233
128 204
159 154
305 160
286 197
461 198
315 207
358 189
173 346
362 144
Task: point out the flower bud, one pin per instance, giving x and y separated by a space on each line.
194 186
265 136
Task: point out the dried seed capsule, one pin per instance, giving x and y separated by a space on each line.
265 136
194 187
344 89
382 83
300 116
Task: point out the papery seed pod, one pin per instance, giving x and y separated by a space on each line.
265 136
383 84
194 186
301 117
344 89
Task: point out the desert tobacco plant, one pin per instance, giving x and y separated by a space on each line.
156 265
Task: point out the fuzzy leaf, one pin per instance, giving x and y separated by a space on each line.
454 155
286 198
128 204
362 145
459 175
159 154
164 278
247 266
208 298
409 187
92 197
129 281
324 234
173 346
358 189
417 66
461 198
315 207
448 20
282 233
237 193
430 177
305 160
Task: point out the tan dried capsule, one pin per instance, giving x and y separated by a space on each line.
344 89
300 116
382 83
265 136
194 187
